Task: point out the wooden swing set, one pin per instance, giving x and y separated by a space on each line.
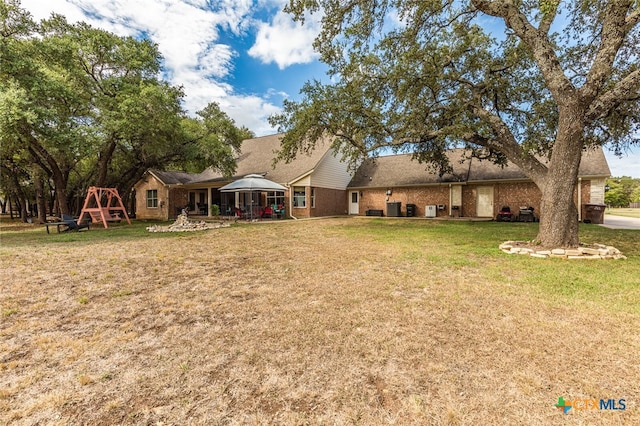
103 205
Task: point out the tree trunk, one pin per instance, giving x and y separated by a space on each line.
558 216
558 212
40 196
61 196
59 178
104 161
22 202
21 199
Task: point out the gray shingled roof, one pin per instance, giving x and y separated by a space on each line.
257 157
172 178
401 170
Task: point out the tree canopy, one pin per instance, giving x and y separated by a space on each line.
532 82
81 107
621 191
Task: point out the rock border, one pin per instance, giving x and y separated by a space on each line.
592 251
183 224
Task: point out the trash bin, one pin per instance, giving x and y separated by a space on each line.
411 210
393 209
594 213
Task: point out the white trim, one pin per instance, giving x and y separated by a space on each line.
293 182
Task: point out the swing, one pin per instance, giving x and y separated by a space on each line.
104 205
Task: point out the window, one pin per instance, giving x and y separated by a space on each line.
299 196
275 199
313 197
152 198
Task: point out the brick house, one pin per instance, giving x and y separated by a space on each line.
316 184
473 189
319 184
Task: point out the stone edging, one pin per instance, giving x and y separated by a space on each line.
183 224
594 251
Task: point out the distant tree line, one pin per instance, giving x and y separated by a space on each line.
622 191
81 107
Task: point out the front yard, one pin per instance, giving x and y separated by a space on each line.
335 321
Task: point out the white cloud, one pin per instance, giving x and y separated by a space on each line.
187 35
285 42
627 165
42 9
252 112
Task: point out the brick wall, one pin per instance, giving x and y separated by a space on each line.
178 199
301 212
329 202
169 200
469 194
514 195
377 199
142 212
585 197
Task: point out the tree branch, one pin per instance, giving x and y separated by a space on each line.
614 31
632 20
543 52
628 89
506 143
549 15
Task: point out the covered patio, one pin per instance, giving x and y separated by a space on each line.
249 202
249 198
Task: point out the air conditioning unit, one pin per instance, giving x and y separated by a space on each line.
430 211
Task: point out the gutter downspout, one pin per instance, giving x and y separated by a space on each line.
579 199
291 202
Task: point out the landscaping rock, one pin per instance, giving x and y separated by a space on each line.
183 224
592 251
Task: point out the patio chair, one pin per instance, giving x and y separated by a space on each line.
267 212
72 225
278 210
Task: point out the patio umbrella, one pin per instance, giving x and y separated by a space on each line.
252 183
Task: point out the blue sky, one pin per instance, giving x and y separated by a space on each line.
248 56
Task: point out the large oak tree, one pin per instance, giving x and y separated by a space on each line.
534 82
87 108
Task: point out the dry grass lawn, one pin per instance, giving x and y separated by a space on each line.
309 322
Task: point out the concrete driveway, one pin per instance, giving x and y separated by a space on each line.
620 222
